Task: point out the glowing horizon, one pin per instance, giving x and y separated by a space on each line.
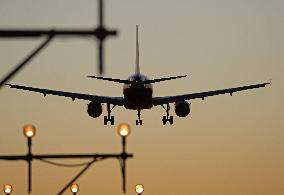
228 145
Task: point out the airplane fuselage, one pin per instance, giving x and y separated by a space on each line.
138 94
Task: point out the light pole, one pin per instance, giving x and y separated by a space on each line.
139 188
74 188
29 133
124 131
8 189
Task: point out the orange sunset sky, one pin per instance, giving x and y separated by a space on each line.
227 146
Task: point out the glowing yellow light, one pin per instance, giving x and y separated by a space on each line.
29 131
123 129
139 188
74 188
8 188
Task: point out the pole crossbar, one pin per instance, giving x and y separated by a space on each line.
122 157
65 156
22 33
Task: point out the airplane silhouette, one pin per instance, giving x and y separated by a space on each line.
138 93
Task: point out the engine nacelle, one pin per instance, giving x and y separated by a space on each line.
182 109
95 109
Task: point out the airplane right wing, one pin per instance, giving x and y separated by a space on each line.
119 101
171 99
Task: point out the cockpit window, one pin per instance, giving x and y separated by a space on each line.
137 77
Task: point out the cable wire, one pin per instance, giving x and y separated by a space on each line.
66 165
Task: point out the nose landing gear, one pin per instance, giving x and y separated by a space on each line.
167 118
139 121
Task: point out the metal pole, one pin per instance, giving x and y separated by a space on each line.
77 176
101 13
25 61
123 144
123 163
29 159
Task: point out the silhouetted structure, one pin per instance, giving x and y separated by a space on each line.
101 33
29 132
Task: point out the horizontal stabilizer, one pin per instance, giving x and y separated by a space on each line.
111 79
163 79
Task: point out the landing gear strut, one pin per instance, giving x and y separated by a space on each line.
167 118
109 118
139 121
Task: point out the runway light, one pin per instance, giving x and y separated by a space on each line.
8 188
29 131
139 188
123 129
74 188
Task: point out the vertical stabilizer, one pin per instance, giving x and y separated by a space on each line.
137 68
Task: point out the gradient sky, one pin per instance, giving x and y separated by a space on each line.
228 145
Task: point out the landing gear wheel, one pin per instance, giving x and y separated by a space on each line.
107 119
138 122
164 120
169 119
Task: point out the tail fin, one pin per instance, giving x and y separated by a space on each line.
137 68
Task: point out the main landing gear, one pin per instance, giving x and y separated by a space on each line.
109 118
139 121
167 118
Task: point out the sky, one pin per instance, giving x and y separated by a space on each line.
227 145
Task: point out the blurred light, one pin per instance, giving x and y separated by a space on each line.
123 129
139 188
29 131
8 188
74 188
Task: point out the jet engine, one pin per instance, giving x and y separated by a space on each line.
95 109
182 109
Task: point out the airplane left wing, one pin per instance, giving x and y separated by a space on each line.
171 99
119 101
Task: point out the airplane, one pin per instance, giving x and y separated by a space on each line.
138 95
